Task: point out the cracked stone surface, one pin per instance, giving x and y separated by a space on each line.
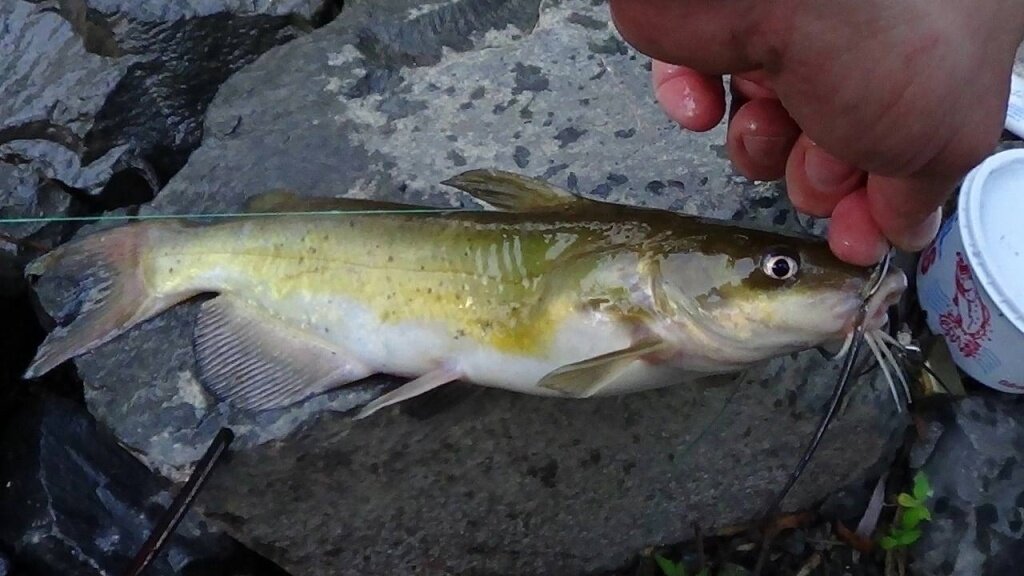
978 503
387 101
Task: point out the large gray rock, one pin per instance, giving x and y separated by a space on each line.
973 464
387 101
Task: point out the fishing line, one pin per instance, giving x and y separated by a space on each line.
833 404
124 217
844 377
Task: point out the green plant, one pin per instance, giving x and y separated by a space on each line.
670 568
912 512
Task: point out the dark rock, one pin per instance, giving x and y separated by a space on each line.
91 88
25 193
72 501
498 483
978 502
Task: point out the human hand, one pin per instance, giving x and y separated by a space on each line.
872 110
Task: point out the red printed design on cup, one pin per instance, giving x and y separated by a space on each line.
928 258
968 323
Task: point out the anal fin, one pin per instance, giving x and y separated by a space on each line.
585 378
421 385
255 361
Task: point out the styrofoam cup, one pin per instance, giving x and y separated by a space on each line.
970 280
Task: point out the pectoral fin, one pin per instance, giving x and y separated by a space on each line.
420 385
283 200
586 378
512 192
257 362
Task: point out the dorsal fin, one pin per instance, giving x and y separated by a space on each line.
283 200
512 192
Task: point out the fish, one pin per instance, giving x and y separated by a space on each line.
543 292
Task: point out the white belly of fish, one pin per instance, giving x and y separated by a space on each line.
415 348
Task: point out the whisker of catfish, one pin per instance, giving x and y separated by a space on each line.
897 348
846 345
847 342
905 353
869 339
880 338
888 339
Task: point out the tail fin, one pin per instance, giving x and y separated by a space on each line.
109 292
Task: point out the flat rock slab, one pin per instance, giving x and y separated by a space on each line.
386 102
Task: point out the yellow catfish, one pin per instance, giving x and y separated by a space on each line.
547 293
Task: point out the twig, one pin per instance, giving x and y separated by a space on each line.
181 504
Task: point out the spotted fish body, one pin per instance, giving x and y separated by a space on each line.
549 294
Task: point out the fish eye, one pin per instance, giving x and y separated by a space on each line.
780 266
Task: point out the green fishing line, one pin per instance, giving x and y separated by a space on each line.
123 217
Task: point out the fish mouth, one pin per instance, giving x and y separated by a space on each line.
889 292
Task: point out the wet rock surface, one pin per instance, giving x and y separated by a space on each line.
101 101
93 89
385 102
72 501
24 193
972 458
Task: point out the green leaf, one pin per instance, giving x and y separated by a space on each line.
913 516
705 571
668 567
888 542
908 537
907 501
922 488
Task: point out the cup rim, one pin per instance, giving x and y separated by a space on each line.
971 226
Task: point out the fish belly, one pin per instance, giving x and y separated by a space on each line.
414 347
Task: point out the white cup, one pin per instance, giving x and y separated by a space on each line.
970 280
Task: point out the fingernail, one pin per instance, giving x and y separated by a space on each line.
866 251
825 171
766 150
